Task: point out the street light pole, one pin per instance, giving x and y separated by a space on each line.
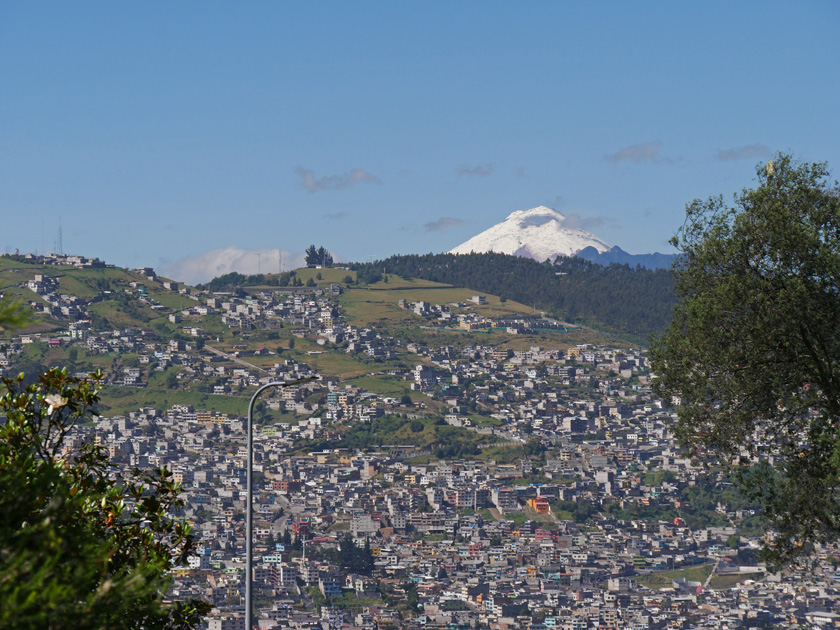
249 551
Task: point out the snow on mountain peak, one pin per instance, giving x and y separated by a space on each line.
538 233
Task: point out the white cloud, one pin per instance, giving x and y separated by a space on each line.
217 262
739 153
334 182
636 153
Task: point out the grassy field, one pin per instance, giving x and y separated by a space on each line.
721 582
564 515
328 276
664 579
385 385
437 293
546 520
423 434
173 300
364 308
327 360
484 421
9 263
121 400
377 306
343 365
500 453
696 574
119 317
72 285
336 362
12 277
377 303
211 325
396 282
503 454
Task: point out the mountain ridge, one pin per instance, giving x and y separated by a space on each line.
543 233
538 233
616 255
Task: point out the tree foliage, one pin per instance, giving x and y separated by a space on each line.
752 354
318 257
234 281
13 314
355 559
368 274
81 546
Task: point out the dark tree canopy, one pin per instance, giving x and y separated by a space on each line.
318 257
80 548
355 559
752 355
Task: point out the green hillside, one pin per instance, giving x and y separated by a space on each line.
632 303
120 299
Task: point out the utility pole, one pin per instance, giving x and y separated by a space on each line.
249 551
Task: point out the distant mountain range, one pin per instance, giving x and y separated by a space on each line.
617 255
542 234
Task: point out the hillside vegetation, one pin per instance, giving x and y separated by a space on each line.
635 303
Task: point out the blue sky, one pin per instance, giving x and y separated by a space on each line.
184 135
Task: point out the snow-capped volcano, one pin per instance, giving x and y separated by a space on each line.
538 233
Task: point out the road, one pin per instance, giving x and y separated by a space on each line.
712 574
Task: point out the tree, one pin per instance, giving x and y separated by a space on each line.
353 558
13 314
365 559
325 259
171 380
752 354
79 547
317 256
410 589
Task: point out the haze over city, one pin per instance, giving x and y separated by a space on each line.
189 136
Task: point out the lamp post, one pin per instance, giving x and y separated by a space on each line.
249 551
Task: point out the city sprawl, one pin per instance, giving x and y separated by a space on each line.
448 483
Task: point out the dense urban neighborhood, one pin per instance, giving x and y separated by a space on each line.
472 468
